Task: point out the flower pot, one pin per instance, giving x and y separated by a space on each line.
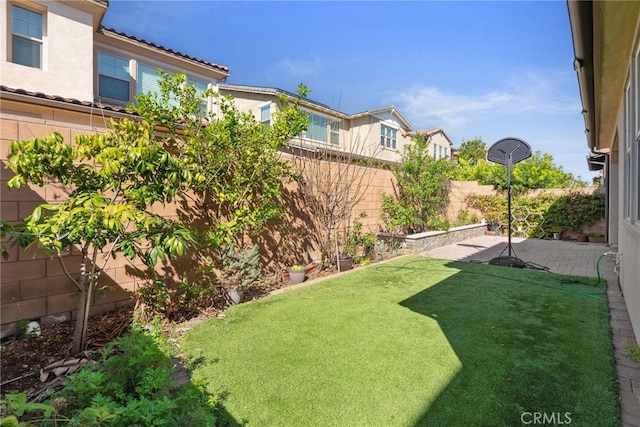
581 237
296 276
345 263
556 236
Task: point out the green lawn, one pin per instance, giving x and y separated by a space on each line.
415 341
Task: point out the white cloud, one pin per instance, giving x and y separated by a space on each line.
528 92
301 67
540 106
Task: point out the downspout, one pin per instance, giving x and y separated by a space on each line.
581 23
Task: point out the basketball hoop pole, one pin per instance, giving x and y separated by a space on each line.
508 151
509 161
509 201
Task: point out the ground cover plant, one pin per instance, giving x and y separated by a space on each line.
414 341
132 384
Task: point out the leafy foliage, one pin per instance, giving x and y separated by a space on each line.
240 267
132 385
574 211
544 214
472 151
236 160
358 245
113 179
538 171
240 176
421 193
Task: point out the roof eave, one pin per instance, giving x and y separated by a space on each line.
581 22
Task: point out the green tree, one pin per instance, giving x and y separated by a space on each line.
421 192
472 151
230 164
112 179
539 171
237 159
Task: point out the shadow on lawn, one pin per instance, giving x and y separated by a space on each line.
523 344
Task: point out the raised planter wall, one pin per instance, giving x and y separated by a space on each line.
434 239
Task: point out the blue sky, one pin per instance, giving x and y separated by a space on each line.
475 68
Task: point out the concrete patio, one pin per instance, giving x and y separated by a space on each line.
576 259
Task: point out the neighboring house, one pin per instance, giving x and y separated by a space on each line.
62 71
379 133
606 41
440 146
60 49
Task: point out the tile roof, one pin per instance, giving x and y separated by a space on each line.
277 92
219 67
73 101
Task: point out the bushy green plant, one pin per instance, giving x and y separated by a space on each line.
132 385
359 245
492 207
240 266
465 218
15 405
421 191
574 211
542 215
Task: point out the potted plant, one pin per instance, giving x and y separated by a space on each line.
296 274
345 262
240 268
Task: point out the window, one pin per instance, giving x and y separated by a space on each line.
446 152
439 151
388 137
323 129
200 87
631 177
334 132
265 115
26 37
148 79
113 77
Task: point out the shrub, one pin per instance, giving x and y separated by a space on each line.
132 385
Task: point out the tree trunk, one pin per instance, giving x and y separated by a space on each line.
79 330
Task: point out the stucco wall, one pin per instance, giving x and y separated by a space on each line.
67 56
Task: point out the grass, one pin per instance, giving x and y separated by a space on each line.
415 341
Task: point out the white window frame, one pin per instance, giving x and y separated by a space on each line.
331 133
114 77
334 132
135 68
266 122
39 42
388 137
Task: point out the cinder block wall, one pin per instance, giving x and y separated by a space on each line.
33 286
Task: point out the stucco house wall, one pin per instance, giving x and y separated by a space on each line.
67 49
606 42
